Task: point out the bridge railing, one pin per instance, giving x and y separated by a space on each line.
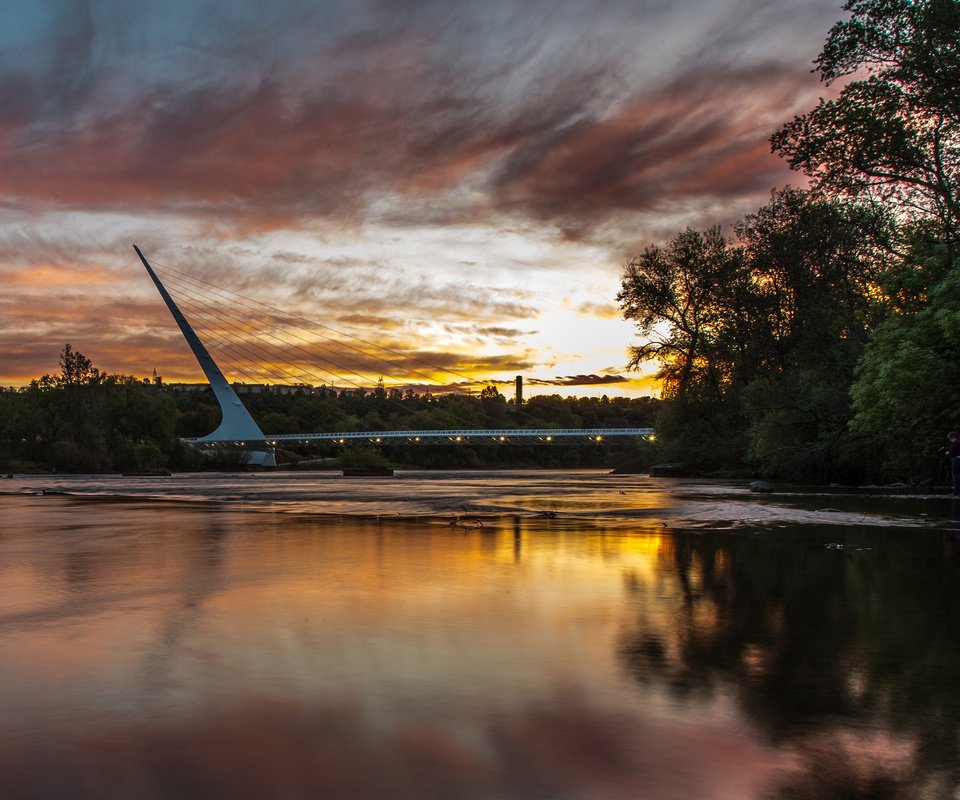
454 435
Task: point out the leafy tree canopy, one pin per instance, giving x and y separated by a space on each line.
892 135
681 296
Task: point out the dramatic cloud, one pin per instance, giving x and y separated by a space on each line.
395 125
406 169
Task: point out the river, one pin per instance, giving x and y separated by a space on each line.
475 635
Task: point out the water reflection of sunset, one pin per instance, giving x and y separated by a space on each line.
216 652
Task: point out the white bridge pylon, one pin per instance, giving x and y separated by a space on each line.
238 428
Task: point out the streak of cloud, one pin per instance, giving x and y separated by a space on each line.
398 111
248 145
578 380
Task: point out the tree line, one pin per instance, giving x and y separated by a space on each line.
85 420
820 342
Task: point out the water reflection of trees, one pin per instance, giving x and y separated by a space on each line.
846 657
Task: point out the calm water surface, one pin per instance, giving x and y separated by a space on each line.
488 635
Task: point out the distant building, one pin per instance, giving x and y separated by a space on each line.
277 388
186 387
254 388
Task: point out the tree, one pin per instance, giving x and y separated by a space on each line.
814 267
758 342
907 384
692 303
854 283
491 392
892 135
682 299
76 368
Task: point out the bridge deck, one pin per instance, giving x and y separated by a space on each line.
454 436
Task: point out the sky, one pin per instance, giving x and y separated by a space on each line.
458 182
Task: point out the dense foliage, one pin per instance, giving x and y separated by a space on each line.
85 420
820 343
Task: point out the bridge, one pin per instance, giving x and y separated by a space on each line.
455 436
238 429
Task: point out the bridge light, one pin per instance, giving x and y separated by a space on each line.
458 438
549 438
599 438
416 438
503 438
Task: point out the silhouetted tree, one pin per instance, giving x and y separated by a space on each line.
892 135
76 368
681 297
849 288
